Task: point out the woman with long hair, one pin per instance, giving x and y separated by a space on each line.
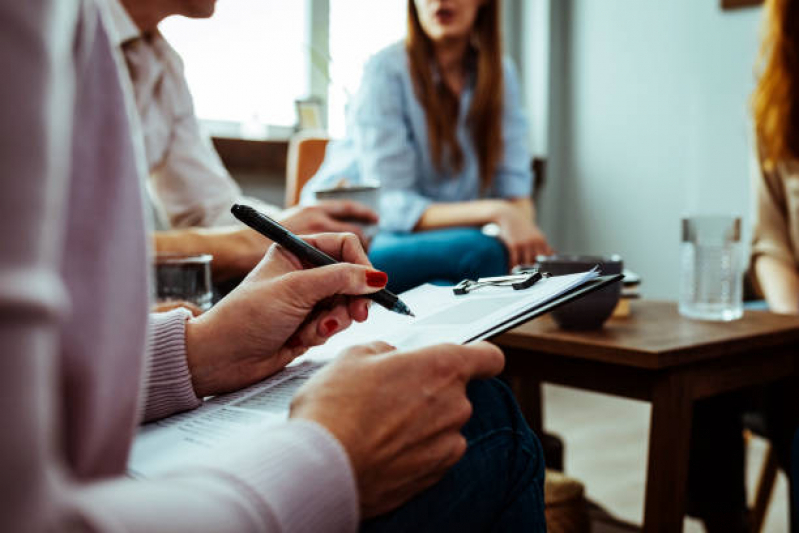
438 122
717 474
775 246
775 106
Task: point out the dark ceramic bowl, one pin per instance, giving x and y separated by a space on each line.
592 310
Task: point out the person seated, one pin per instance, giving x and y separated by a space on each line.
189 188
717 490
438 122
380 439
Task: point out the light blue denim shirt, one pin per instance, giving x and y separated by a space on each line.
387 142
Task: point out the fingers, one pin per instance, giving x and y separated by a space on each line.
359 308
526 252
308 287
513 254
332 225
478 360
529 253
341 246
333 321
316 332
482 360
373 348
348 209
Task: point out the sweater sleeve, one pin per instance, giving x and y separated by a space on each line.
770 235
168 387
296 477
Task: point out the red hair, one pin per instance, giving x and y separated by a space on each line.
775 102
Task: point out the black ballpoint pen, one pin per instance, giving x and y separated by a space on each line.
305 252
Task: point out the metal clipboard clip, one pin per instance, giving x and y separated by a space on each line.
517 281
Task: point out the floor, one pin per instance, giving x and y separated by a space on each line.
606 447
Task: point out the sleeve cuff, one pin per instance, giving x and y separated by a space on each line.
168 386
514 184
302 478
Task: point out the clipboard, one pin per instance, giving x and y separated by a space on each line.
540 310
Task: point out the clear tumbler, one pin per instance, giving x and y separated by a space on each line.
711 273
184 278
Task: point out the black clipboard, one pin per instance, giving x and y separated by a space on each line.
539 310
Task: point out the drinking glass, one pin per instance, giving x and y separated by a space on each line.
184 278
711 272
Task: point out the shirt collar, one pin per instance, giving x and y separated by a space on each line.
124 29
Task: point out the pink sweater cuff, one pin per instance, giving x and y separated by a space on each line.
300 476
168 386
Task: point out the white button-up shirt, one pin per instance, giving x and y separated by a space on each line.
188 185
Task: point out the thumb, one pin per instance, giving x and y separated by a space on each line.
312 285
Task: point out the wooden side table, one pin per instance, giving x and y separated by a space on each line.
657 356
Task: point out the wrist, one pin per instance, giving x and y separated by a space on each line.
197 355
497 211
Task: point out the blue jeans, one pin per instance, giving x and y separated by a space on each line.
447 255
497 486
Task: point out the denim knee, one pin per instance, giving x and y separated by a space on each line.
496 412
485 257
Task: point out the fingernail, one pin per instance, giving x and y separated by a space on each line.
329 326
375 278
293 342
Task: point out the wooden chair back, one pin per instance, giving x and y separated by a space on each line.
305 155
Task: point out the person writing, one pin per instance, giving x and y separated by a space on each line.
371 439
438 123
190 190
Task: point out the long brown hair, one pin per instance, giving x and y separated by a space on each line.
441 104
775 102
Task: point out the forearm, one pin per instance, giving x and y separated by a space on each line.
236 250
475 213
780 284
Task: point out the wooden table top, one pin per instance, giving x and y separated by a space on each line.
655 336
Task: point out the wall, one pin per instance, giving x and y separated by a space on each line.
648 122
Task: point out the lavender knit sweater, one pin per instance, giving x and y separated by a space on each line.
74 377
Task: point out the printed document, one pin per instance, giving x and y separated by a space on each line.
197 436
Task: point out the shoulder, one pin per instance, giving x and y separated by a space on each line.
391 60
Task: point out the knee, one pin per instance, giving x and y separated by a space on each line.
486 256
496 415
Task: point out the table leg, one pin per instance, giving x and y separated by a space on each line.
669 446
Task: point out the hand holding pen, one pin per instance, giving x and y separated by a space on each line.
307 253
280 310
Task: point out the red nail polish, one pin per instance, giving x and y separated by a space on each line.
293 342
375 278
329 326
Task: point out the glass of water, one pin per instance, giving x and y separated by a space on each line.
184 278
711 273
